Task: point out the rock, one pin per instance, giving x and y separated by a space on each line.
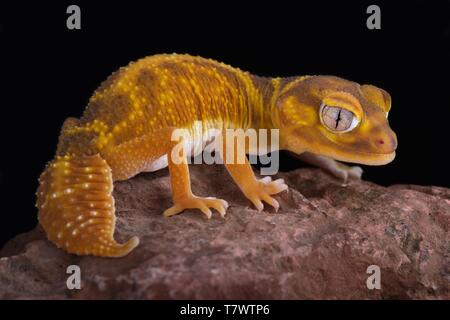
318 246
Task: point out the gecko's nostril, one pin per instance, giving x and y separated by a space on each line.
385 144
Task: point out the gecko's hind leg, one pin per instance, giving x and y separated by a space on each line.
76 208
332 166
143 153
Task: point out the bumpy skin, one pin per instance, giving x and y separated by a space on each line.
127 127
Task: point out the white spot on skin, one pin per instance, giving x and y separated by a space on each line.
158 164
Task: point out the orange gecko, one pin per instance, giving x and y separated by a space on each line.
128 124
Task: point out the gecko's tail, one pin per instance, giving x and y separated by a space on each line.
76 208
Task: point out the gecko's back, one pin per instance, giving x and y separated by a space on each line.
159 92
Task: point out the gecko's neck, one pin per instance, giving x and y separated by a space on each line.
262 109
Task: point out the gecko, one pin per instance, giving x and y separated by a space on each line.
127 125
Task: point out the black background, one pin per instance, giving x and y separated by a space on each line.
49 72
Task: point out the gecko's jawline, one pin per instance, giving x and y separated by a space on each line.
371 159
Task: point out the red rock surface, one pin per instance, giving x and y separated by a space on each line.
318 246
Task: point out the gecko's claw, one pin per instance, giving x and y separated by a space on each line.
204 204
262 191
355 172
347 173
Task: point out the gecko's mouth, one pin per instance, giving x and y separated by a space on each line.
360 157
371 159
346 154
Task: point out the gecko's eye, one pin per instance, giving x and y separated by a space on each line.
337 119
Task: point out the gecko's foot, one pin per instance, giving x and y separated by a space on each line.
262 191
346 173
333 167
204 204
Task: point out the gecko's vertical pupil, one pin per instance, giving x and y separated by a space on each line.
338 119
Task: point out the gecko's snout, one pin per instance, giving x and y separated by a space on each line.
386 143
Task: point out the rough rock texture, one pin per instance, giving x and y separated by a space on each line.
317 246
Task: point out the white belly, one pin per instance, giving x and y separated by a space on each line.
193 146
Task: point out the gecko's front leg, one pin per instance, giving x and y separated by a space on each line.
256 190
337 169
182 195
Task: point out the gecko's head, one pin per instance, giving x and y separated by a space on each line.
336 118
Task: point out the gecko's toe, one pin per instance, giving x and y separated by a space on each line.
203 204
278 186
257 203
175 209
355 173
263 190
274 203
267 179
